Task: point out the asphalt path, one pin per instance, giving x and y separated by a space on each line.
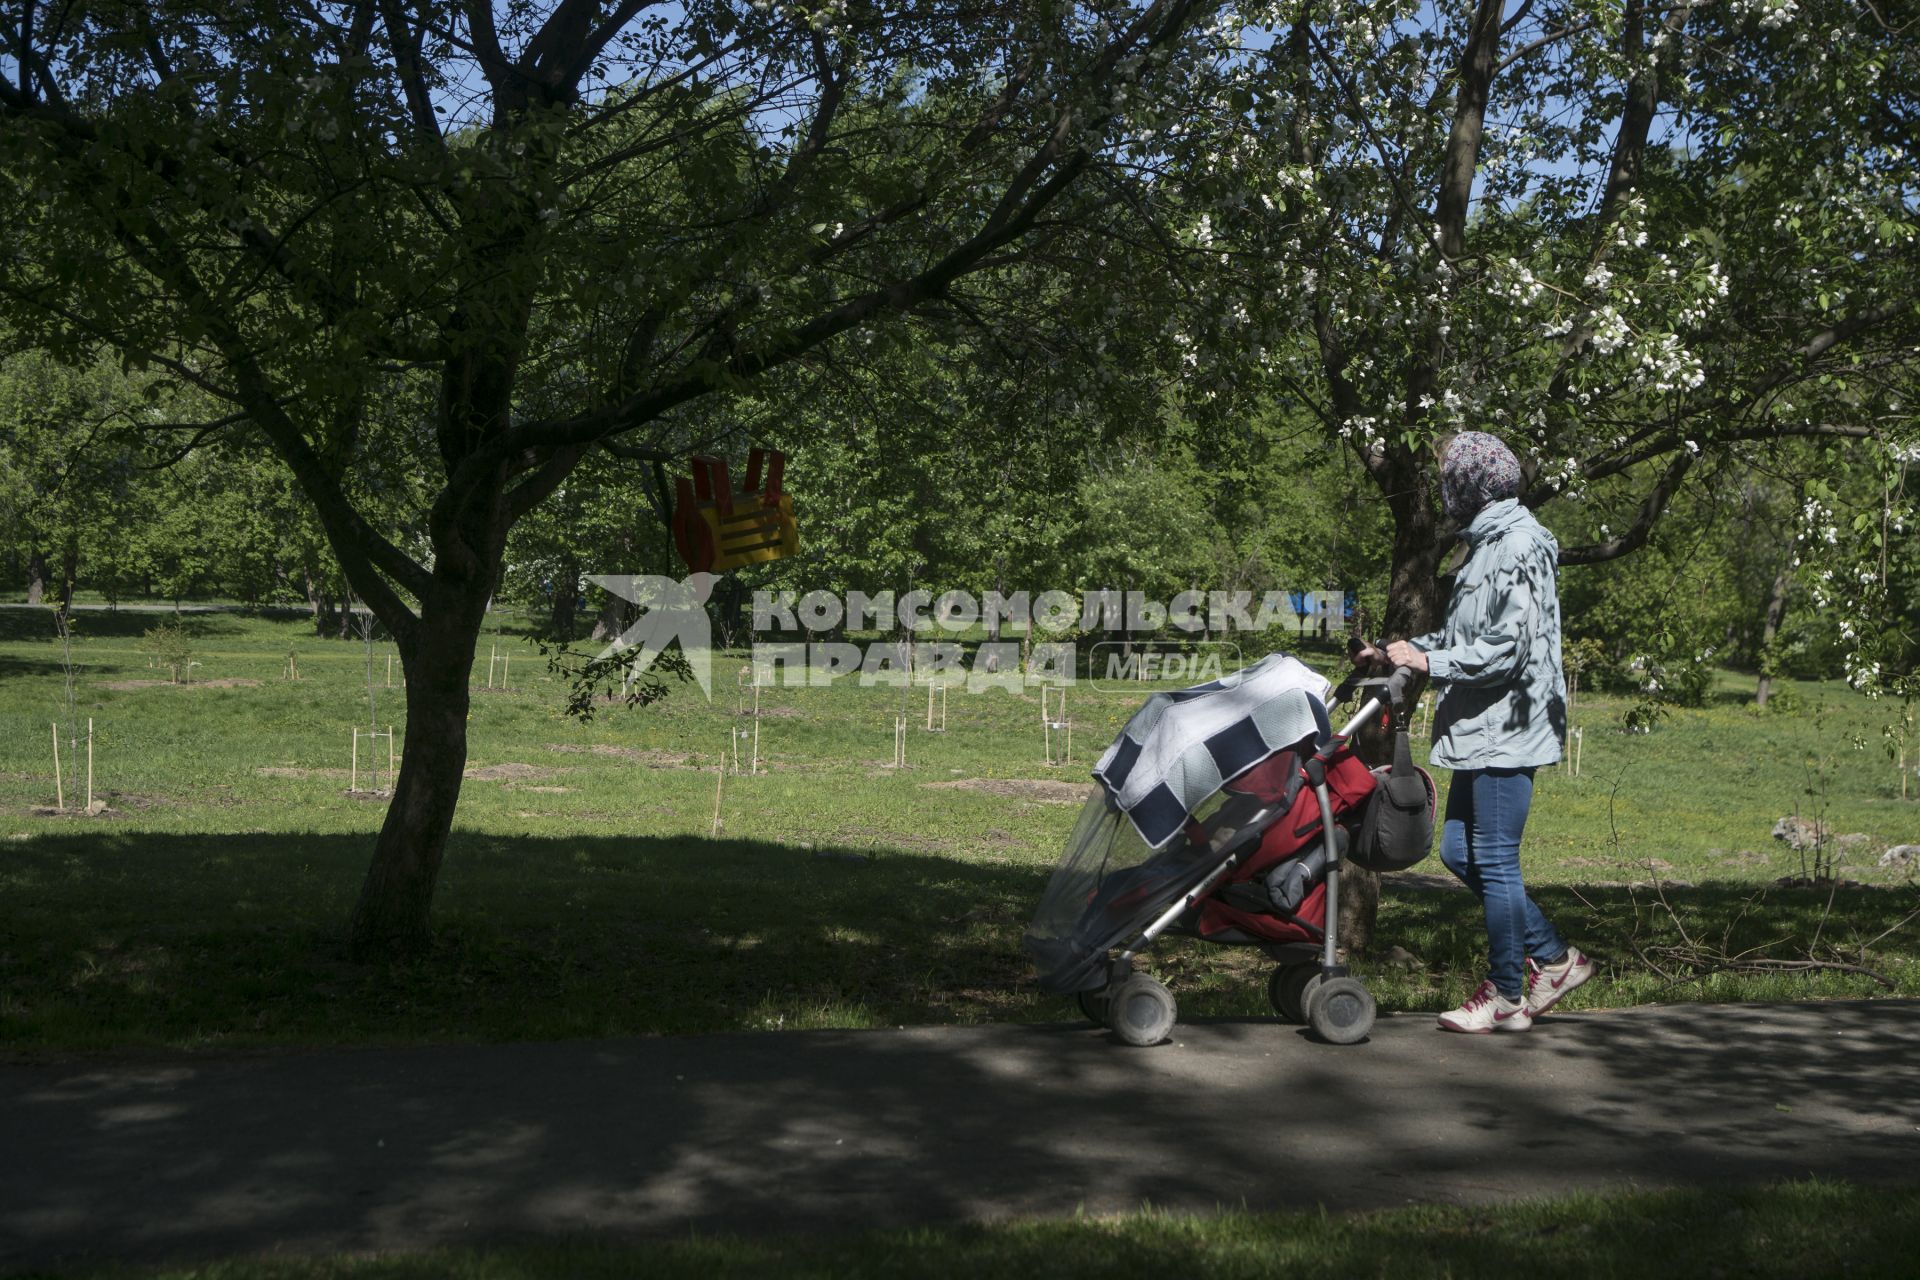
377 1149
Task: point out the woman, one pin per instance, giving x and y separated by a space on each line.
1502 714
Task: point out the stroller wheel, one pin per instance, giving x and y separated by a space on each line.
1290 990
1141 1011
1093 1004
1341 1011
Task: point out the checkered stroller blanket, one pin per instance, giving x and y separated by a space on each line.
1182 746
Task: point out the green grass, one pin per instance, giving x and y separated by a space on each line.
1789 1230
585 893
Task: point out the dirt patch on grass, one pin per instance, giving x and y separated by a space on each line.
106 804
551 791
651 757
48 811
1045 790
127 686
510 771
290 771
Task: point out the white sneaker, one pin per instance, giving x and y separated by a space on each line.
1547 984
1486 1010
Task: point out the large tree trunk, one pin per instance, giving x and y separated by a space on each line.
1776 612
326 617
391 919
612 620
566 597
69 571
393 916
1414 607
36 576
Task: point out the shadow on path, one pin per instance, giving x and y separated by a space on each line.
395 1149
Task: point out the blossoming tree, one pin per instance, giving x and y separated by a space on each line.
1629 235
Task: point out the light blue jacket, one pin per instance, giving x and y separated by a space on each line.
1496 659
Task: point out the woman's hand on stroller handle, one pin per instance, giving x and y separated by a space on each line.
1368 659
1400 653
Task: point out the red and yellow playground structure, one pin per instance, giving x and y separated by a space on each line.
718 528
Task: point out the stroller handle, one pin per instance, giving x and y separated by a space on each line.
1394 689
1372 707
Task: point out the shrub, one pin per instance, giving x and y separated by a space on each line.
170 646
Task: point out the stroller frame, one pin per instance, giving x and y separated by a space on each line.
1141 1011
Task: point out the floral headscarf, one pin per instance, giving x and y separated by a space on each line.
1477 469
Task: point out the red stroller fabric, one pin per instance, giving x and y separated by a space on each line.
1349 784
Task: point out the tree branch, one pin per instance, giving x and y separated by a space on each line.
364 554
206 432
75 136
1636 536
1026 197
486 45
407 64
568 42
1640 101
1458 166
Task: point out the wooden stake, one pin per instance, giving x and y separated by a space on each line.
756 747
1046 730
1579 740
929 706
506 670
493 656
89 762
390 769
1068 758
59 795
353 769
719 782
389 671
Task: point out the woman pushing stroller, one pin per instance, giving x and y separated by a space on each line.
1502 714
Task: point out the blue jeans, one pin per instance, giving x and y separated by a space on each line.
1486 811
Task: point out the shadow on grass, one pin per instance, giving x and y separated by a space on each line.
125 939
142 938
24 624
20 668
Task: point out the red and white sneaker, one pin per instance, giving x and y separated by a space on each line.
1548 984
1487 1010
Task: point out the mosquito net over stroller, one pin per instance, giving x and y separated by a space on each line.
1164 816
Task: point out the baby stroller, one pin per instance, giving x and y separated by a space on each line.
1225 813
